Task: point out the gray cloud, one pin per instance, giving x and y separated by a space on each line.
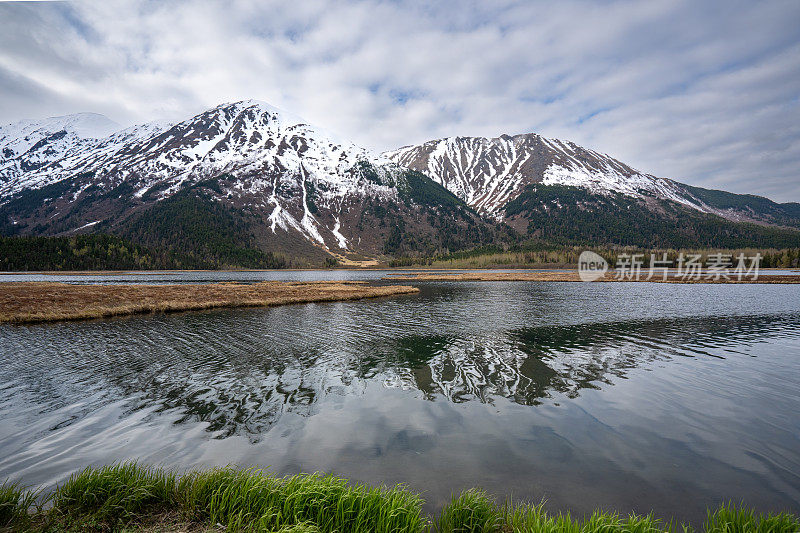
703 92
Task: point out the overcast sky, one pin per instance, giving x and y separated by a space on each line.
700 91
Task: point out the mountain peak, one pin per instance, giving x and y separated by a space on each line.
262 107
283 184
84 125
487 173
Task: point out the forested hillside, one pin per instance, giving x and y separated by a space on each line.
192 226
109 252
82 252
566 215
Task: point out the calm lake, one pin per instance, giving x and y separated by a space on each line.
623 396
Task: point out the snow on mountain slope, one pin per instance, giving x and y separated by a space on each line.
31 144
25 133
283 184
303 178
488 173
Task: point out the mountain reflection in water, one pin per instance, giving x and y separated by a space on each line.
239 386
530 364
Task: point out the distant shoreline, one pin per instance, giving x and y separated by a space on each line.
354 269
573 276
340 269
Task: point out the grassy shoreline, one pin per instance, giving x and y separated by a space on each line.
575 277
132 497
44 301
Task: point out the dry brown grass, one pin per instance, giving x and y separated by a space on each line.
22 302
569 276
155 522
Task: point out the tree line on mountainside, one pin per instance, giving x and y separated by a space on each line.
189 230
565 215
81 252
192 226
185 231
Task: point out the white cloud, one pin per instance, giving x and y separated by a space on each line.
704 92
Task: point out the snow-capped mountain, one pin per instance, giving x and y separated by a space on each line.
245 179
487 173
296 179
28 145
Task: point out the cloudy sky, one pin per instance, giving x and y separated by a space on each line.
700 91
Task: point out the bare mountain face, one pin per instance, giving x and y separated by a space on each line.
268 178
488 174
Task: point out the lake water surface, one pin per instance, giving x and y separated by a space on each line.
624 396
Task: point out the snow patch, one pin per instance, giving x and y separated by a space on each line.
339 237
89 225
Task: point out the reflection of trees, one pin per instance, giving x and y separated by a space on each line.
533 363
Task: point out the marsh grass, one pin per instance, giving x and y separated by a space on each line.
117 492
470 511
15 502
133 497
474 512
734 518
240 500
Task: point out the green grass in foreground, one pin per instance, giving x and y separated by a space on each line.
130 497
15 503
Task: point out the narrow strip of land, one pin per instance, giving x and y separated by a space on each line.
573 276
25 302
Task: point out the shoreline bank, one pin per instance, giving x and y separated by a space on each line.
133 497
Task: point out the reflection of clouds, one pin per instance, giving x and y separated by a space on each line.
234 380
